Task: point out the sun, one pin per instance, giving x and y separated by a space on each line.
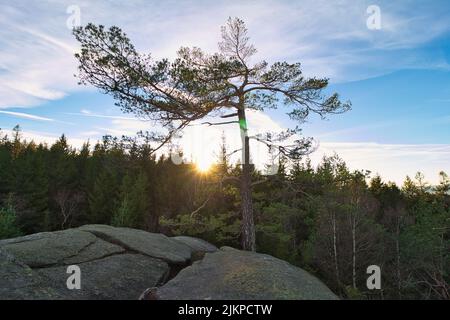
203 166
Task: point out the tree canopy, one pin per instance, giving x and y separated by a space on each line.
197 84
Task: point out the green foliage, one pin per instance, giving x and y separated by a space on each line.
8 224
123 217
426 251
276 231
103 198
220 229
134 203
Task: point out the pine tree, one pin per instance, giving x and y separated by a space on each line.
8 223
31 189
103 197
134 205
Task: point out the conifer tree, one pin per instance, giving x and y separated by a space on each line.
198 84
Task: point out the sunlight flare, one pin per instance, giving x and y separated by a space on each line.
203 166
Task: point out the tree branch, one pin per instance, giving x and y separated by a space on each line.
229 115
219 123
201 207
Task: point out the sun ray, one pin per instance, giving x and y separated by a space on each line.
203 166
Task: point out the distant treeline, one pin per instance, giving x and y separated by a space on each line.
327 219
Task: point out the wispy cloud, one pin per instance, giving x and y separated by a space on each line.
86 113
26 116
358 129
49 39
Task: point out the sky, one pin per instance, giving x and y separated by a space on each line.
395 70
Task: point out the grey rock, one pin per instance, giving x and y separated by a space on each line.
197 245
20 282
118 277
48 249
35 266
96 250
234 274
151 244
30 237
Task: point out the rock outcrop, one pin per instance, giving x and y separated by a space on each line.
151 244
115 263
18 281
123 263
231 274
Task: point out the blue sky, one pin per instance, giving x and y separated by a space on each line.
397 77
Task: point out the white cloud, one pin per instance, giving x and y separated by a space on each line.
87 113
44 137
111 131
91 133
26 116
131 126
392 161
123 126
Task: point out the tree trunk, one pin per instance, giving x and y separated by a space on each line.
153 222
354 251
248 224
397 252
353 221
335 252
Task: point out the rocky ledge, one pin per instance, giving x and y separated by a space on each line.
123 263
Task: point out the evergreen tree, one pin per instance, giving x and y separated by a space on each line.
103 197
8 223
134 204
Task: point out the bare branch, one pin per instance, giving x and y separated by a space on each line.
201 207
260 182
229 115
219 123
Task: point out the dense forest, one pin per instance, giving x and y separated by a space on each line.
327 219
